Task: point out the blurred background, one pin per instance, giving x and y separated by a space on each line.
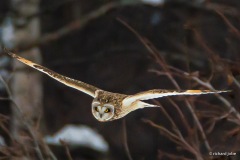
123 46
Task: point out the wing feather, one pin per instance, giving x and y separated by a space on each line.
158 93
81 86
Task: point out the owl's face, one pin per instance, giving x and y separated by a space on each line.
102 112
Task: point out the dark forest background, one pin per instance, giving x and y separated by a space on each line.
125 47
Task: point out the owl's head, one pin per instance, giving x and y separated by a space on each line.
102 112
106 106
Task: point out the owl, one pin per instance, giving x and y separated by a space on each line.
108 106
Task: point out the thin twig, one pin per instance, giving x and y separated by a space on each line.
229 24
175 128
35 141
236 82
67 149
179 113
125 140
226 9
172 156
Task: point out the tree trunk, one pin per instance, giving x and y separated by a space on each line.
26 83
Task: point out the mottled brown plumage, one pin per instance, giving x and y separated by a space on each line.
105 97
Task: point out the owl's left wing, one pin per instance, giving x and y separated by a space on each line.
158 93
79 85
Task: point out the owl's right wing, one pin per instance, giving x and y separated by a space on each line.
81 86
158 93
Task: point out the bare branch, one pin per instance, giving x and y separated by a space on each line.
177 139
209 86
229 24
69 28
154 52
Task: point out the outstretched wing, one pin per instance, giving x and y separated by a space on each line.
81 86
158 93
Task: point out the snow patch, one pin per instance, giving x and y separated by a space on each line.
79 135
153 2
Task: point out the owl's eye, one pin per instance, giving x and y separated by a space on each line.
96 109
107 110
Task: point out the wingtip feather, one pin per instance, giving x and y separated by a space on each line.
12 55
207 91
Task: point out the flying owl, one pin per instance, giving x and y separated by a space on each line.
108 106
